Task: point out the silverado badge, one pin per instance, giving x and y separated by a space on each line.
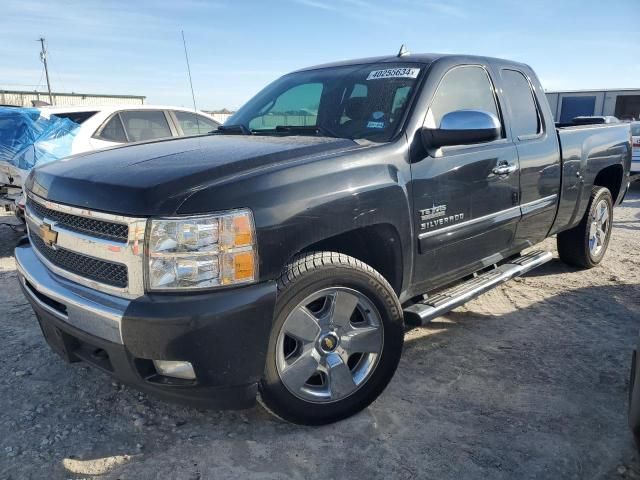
437 216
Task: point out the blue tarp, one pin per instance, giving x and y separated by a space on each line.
28 138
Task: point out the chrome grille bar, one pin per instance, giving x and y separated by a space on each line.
89 226
110 265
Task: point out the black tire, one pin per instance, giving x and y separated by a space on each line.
304 276
573 244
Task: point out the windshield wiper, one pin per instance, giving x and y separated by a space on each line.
238 129
318 130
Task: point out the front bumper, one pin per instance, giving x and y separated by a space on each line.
224 334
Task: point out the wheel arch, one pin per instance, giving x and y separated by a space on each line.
377 245
611 177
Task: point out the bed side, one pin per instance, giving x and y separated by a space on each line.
591 155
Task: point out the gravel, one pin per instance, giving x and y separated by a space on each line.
528 381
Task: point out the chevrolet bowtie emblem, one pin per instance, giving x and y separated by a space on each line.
49 236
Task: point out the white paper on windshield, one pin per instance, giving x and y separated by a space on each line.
394 73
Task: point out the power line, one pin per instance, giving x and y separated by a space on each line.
41 75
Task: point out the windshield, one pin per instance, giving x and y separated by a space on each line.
356 102
635 129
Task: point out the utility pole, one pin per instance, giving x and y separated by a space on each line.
43 57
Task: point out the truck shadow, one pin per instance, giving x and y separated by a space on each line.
553 267
565 357
535 379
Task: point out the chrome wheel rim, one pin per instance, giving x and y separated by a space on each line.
599 228
329 345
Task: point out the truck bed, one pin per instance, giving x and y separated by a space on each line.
585 150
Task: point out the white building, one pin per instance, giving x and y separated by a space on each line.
623 103
220 116
27 99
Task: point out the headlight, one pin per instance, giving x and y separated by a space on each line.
201 252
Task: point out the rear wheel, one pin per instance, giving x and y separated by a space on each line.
336 340
585 244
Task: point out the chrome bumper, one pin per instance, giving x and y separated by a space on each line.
89 310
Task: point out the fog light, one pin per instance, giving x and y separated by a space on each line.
170 368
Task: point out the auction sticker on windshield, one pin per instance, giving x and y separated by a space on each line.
394 73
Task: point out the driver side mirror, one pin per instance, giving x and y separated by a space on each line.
463 127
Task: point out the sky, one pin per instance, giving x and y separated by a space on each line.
237 47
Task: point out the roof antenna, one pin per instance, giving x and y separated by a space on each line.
193 97
403 51
186 56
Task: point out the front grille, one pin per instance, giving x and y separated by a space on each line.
76 223
114 274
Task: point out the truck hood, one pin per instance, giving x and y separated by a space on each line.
155 178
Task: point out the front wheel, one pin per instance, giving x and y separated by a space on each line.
336 340
585 244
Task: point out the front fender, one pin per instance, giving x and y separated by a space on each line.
299 204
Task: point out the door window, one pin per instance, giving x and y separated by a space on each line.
524 112
193 124
297 106
143 125
113 131
462 88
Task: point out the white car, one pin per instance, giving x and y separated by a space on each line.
106 126
635 141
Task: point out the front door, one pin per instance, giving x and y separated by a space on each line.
465 198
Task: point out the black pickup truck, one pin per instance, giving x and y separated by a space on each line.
280 257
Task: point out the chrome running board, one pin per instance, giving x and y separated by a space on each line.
459 294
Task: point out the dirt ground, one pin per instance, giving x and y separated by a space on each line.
528 381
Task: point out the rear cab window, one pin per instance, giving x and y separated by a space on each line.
524 114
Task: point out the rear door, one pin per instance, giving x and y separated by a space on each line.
466 213
538 153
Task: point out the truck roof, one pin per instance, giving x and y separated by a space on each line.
421 58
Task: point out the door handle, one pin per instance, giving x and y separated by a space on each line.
504 169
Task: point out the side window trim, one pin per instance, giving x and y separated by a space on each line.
541 125
174 123
98 133
173 127
505 136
